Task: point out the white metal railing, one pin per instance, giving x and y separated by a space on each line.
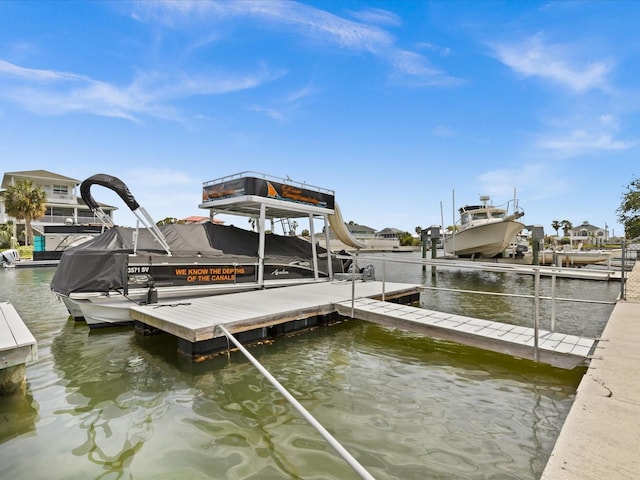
343 452
264 176
504 268
59 219
61 198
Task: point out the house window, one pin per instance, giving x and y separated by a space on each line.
60 190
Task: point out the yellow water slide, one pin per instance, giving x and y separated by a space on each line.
341 231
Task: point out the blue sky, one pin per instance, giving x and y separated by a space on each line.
392 104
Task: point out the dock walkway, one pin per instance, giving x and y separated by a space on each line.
195 321
17 347
601 435
558 349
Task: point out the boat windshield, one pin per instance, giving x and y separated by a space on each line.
480 216
498 215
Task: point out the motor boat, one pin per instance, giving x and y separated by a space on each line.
8 258
576 257
100 279
484 231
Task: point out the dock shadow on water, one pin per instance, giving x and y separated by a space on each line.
110 405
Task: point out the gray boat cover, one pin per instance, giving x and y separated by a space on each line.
100 264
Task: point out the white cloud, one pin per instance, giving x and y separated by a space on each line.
56 93
269 112
442 51
37 75
585 136
534 58
377 16
309 22
580 141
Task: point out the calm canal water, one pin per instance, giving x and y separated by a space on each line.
110 405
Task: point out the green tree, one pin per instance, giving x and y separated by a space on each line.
405 238
6 232
167 221
629 210
555 224
25 202
566 226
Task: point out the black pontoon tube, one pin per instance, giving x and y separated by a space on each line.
119 187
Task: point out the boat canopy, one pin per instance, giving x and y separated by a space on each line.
100 264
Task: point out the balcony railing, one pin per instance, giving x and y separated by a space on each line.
59 219
61 198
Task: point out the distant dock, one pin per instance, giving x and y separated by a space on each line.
17 348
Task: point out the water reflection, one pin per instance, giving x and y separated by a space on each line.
18 414
108 404
114 391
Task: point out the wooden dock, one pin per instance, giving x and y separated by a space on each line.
255 315
17 347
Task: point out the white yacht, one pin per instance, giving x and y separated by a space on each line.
484 231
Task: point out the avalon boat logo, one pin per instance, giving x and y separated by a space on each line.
281 271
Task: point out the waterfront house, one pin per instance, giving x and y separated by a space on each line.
63 205
589 234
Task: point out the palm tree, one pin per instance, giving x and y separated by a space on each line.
555 224
25 202
6 233
566 226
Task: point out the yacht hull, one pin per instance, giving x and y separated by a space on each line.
483 241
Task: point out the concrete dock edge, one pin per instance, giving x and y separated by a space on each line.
601 435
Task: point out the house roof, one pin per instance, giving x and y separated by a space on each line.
390 230
355 228
37 174
586 226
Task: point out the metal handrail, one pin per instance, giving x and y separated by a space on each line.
535 271
343 452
